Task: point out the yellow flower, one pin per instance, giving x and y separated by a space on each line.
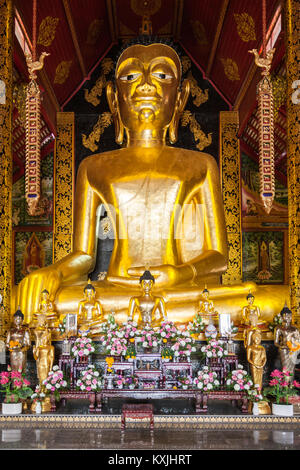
131 340
165 340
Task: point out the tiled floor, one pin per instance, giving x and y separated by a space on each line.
224 428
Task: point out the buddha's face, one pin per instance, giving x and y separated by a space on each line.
89 293
18 321
286 319
147 81
250 300
147 285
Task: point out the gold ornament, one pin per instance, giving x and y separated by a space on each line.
245 26
47 31
104 120
62 72
231 69
202 140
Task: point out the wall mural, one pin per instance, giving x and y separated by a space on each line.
263 257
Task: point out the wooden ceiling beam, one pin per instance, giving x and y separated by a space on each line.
74 36
217 37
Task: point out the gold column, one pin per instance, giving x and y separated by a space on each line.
63 186
230 173
6 47
292 38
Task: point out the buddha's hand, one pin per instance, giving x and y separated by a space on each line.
165 275
30 288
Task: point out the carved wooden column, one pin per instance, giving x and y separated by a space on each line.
230 173
292 41
6 46
63 186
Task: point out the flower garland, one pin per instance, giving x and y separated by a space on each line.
206 380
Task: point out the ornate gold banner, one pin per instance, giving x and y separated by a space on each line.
292 35
63 186
6 42
230 172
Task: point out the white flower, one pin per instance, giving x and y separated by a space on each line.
219 353
246 387
154 343
236 387
163 334
209 386
209 354
145 344
228 382
193 349
200 385
48 386
216 382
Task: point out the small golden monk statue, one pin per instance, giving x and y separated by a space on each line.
165 204
287 339
90 313
249 312
46 308
150 309
43 353
257 358
18 342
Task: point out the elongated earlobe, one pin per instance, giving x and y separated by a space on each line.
114 109
179 107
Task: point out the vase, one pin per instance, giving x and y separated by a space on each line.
11 408
38 408
255 409
282 409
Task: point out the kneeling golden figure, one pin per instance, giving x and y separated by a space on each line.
150 309
164 203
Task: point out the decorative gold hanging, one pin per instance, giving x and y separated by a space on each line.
32 128
266 123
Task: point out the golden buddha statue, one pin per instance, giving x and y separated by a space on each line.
150 309
287 339
250 311
90 313
43 353
18 342
257 358
46 308
164 203
248 332
206 307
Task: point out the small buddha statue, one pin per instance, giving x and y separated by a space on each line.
43 353
150 309
248 332
90 312
251 310
18 342
206 307
256 356
287 339
46 308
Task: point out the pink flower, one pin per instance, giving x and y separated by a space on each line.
276 373
273 382
296 384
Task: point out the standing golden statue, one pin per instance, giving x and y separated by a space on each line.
90 312
43 353
150 309
165 205
257 358
18 342
287 339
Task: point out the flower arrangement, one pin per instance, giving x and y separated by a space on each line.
148 337
239 380
184 381
131 381
108 325
120 381
167 353
55 382
114 343
255 395
277 320
15 386
167 332
183 347
38 395
197 325
82 347
90 380
214 350
109 361
130 352
129 331
281 386
206 380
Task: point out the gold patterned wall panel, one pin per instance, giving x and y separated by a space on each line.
292 22
230 173
6 41
63 186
